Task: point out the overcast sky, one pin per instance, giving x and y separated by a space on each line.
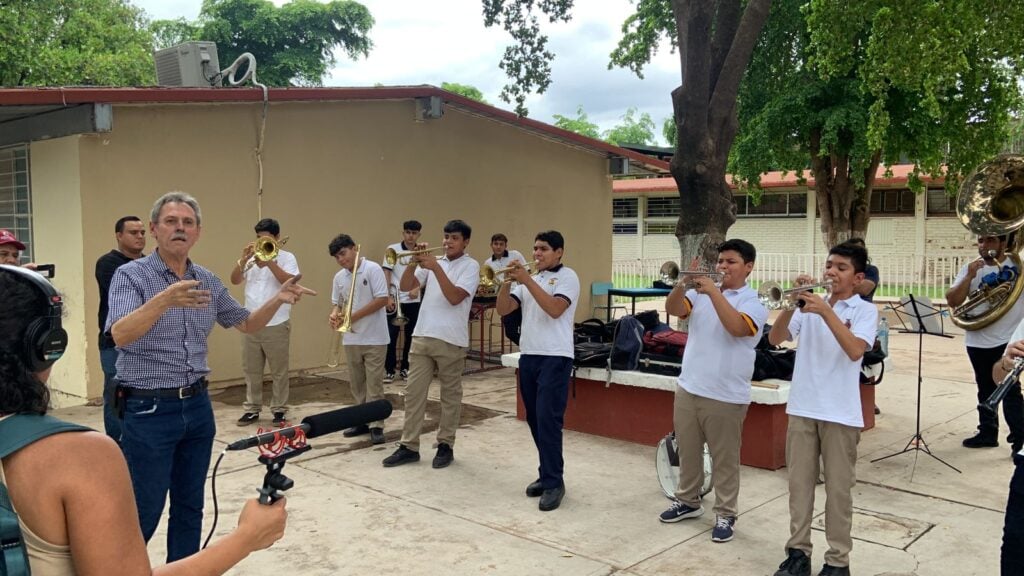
418 42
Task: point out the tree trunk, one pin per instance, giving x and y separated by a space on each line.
716 41
843 204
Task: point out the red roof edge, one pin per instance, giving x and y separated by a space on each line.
67 96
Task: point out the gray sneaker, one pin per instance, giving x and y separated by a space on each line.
389 377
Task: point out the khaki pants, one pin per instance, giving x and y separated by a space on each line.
270 346
366 373
720 424
836 444
425 355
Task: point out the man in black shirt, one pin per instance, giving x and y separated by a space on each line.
131 240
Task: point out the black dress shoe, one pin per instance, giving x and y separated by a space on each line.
356 431
377 435
444 456
535 489
551 498
981 440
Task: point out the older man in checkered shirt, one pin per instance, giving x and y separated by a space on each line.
162 309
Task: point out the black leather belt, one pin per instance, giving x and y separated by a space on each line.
181 393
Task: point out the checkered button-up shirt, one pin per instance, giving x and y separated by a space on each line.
172 354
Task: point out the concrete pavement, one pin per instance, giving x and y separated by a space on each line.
349 515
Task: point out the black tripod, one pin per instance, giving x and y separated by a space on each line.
918 313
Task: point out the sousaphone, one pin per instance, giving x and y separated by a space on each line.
990 202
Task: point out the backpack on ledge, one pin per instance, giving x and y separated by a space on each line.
16 432
627 344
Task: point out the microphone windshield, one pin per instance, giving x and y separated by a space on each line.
338 420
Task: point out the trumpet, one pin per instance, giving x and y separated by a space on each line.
346 324
671 275
1011 378
265 249
399 319
392 256
489 276
773 297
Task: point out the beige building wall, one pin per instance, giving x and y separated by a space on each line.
356 167
57 231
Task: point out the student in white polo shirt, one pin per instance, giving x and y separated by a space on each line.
824 407
548 299
408 301
714 384
367 341
501 256
439 342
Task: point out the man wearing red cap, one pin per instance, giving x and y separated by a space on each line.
10 249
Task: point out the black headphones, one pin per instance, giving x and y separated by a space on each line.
45 340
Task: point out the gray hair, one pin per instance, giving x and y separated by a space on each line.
178 198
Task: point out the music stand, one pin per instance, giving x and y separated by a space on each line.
920 315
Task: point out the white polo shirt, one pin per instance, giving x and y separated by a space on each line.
826 383
504 262
396 274
716 364
543 335
370 284
261 285
439 319
998 332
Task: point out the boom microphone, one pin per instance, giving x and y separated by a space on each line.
322 424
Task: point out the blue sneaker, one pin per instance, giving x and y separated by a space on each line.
680 511
723 529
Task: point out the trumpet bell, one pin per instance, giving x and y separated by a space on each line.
392 256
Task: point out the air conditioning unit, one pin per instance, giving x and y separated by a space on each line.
187 64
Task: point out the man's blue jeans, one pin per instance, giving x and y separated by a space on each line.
167 443
111 423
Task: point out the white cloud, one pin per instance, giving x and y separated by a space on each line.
432 42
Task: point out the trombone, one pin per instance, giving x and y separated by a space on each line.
392 256
265 249
346 324
773 297
489 277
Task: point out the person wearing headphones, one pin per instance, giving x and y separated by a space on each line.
71 512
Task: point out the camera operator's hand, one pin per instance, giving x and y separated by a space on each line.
262 525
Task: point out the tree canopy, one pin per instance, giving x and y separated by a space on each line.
293 44
580 124
74 42
838 88
632 130
467 90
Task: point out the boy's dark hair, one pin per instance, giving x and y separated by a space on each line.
857 254
413 225
499 237
340 241
860 242
119 225
553 238
745 249
458 226
268 225
20 388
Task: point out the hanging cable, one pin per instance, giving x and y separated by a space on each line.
229 74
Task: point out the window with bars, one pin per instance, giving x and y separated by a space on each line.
624 228
625 207
16 197
786 204
940 203
660 227
897 201
663 207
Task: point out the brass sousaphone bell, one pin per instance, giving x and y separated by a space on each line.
990 202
